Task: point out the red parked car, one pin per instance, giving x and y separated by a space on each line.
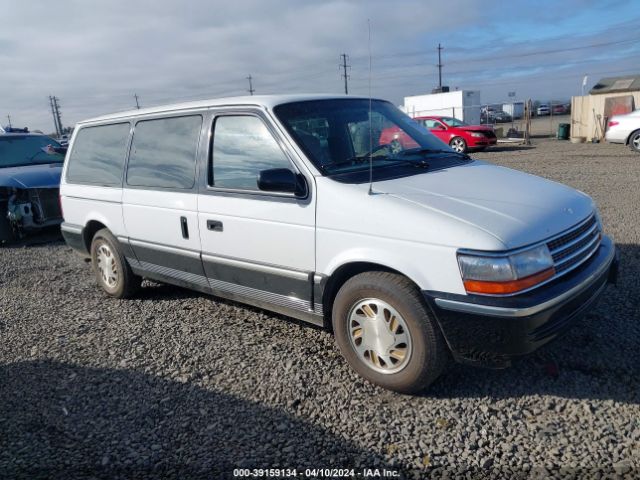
455 133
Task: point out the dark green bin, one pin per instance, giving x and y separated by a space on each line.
563 131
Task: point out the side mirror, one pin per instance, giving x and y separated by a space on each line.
282 180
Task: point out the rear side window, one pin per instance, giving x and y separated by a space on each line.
242 147
98 155
163 152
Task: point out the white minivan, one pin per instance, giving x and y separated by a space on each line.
409 254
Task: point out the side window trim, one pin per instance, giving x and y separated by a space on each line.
194 188
242 192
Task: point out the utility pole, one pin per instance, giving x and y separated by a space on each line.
55 117
439 67
137 104
251 90
344 66
57 108
9 118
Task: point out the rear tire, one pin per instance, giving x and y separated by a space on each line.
112 270
458 144
634 141
386 333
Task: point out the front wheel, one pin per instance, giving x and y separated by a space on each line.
458 144
112 270
385 332
634 141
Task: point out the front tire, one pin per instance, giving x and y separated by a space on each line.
634 141
386 333
458 144
112 270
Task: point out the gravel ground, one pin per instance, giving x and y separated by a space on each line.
175 384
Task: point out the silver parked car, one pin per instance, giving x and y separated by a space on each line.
625 129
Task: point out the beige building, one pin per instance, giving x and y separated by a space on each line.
589 113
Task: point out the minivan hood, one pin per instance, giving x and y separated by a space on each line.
31 176
516 208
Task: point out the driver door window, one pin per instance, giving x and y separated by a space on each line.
242 147
433 124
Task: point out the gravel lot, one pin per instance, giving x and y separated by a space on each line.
175 384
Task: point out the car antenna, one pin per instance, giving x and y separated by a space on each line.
370 119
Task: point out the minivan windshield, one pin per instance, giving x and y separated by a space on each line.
21 150
340 135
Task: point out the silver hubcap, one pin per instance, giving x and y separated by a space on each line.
379 335
636 142
458 145
107 266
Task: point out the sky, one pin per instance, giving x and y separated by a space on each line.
95 55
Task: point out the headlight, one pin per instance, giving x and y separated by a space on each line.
506 274
477 135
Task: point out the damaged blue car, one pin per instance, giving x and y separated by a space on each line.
30 168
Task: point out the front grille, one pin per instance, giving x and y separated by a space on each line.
47 203
576 246
489 134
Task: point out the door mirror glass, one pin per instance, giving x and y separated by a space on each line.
282 180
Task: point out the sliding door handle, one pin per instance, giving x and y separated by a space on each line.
214 225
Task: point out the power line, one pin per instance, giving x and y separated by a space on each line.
251 90
515 55
344 66
407 74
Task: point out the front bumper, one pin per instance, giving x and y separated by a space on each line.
491 331
482 142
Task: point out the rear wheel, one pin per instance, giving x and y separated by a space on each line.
634 141
385 332
458 144
112 270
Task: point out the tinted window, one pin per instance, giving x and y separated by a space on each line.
242 147
98 155
163 152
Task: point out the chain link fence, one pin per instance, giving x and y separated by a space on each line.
509 119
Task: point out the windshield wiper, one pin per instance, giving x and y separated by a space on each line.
363 158
412 151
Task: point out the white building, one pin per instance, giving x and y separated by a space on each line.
461 104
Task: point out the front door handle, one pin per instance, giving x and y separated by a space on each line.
214 225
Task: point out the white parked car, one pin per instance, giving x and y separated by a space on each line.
625 129
543 109
292 204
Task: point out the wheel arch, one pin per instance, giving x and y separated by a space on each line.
341 275
89 231
637 130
